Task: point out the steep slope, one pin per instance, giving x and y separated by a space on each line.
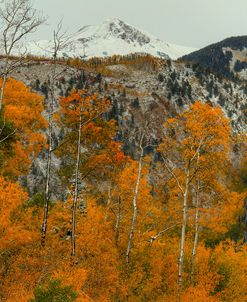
137 91
112 37
228 57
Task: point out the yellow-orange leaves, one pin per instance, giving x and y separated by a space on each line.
23 108
11 196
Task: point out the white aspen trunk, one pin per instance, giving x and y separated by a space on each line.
108 204
118 218
196 234
48 167
131 233
74 206
48 173
183 233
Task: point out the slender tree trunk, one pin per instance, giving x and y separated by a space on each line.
74 206
131 233
196 234
118 218
48 168
108 204
4 79
48 172
183 233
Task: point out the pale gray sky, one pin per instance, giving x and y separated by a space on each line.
195 23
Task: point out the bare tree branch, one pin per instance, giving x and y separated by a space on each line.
173 174
18 19
6 137
152 238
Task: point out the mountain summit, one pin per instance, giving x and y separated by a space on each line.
112 37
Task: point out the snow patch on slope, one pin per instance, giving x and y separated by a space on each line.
112 37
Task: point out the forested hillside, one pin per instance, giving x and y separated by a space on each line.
227 57
121 179
125 222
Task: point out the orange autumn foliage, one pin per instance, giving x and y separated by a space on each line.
230 260
203 129
90 105
23 108
11 196
198 294
100 153
98 272
197 142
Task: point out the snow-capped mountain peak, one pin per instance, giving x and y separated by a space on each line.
113 29
114 36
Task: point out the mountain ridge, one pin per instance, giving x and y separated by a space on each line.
112 37
227 57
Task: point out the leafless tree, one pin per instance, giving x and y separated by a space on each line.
18 19
60 40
